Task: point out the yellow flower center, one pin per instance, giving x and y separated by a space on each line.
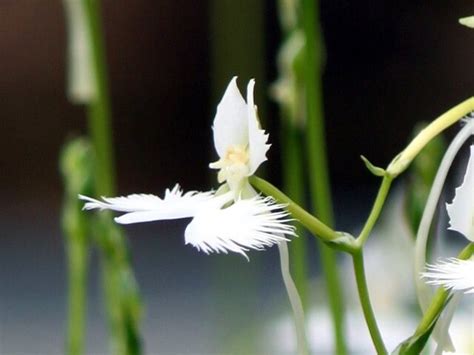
233 166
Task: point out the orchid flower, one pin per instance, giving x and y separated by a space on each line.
234 218
455 274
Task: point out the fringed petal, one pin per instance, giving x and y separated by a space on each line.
453 274
146 208
247 224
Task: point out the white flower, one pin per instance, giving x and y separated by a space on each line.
461 210
452 273
234 218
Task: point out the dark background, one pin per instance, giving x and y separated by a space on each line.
389 65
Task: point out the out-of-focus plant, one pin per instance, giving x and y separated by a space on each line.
76 168
298 90
88 85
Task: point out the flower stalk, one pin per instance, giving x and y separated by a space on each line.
403 160
375 212
358 262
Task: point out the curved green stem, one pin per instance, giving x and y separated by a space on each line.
375 212
313 224
453 115
358 261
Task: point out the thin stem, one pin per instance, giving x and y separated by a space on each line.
376 209
313 224
293 183
439 300
77 278
358 261
119 285
76 169
318 167
453 115
295 300
99 108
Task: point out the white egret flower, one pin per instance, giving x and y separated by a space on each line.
234 218
455 274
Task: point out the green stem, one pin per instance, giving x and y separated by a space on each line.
119 287
77 257
99 112
293 182
358 261
313 224
375 212
453 115
76 169
439 299
318 167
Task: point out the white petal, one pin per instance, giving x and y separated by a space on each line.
258 146
230 124
461 210
453 274
247 224
146 208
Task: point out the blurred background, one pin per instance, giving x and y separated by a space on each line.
389 64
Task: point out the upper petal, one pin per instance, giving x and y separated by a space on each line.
258 146
461 210
247 224
230 123
146 208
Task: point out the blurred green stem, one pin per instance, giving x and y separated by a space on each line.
119 287
76 169
293 186
99 112
77 278
318 167
75 232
